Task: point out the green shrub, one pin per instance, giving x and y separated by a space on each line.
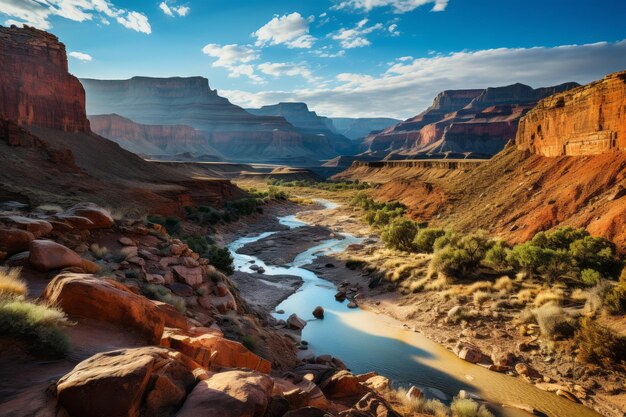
465 407
399 234
599 345
497 257
558 265
171 223
39 325
615 300
196 243
160 293
590 277
528 257
249 342
560 238
595 253
220 258
462 255
424 241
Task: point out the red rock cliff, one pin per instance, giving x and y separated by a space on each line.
588 120
35 87
150 139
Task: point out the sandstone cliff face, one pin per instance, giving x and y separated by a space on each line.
35 87
588 120
472 122
153 140
309 123
191 102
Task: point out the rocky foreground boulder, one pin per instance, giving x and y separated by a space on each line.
106 300
148 381
230 394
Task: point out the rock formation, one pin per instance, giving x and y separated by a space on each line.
299 115
588 120
48 152
235 133
35 86
153 140
361 127
460 123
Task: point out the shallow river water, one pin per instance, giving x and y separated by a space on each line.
366 341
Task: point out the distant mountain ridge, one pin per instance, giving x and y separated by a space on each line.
475 123
235 133
309 122
358 128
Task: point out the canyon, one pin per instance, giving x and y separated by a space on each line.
460 124
153 140
232 131
50 154
581 182
179 292
299 115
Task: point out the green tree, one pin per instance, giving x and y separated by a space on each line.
399 234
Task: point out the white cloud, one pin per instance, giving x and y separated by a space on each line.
326 52
398 6
393 29
37 13
291 30
409 86
235 58
355 37
80 56
135 21
174 10
280 69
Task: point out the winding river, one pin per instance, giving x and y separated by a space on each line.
366 341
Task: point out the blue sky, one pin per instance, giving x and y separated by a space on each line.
342 57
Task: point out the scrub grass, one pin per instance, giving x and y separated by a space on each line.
11 285
39 325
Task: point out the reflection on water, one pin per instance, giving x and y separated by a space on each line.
370 342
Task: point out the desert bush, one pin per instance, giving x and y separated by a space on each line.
196 243
171 223
459 313
160 293
554 322
480 297
596 297
526 295
419 405
399 234
590 277
11 285
598 344
615 299
560 238
465 407
249 342
220 258
424 241
503 284
548 296
100 252
462 255
528 257
497 257
558 265
40 326
595 253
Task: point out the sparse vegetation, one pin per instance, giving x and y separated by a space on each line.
322 185
399 234
424 241
465 407
100 252
39 325
554 322
160 293
460 256
11 285
170 223
419 405
598 344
